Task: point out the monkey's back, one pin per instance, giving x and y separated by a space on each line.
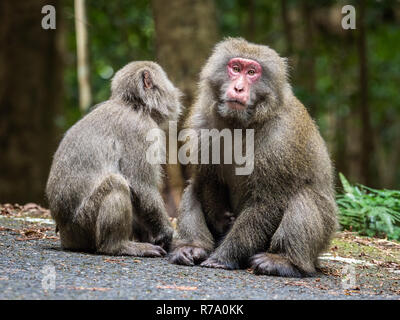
110 139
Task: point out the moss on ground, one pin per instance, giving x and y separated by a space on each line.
348 244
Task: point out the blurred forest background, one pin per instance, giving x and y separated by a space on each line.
348 79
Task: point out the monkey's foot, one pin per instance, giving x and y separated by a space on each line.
188 255
273 265
215 263
142 250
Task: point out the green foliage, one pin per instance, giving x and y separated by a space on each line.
369 211
119 32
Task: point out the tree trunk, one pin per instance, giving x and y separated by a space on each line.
366 128
287 27
186 30
309 77
30 95
353 149
85 96
251 20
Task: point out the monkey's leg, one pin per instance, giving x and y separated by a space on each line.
250 234
194 241
151 212
109 212
302 234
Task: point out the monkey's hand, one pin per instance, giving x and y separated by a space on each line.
224 222
188 255
164 238
214 262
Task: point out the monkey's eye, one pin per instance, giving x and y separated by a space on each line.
236 69
251 72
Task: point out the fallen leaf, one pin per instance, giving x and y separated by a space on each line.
175 287
88 288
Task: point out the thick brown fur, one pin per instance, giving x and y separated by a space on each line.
285 211
103 194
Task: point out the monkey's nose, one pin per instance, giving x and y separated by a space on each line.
238 89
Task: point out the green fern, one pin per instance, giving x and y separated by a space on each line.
369 211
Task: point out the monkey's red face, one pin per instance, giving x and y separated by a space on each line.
243 73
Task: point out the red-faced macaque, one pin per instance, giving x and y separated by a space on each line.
278 218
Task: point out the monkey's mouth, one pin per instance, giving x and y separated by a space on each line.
235 104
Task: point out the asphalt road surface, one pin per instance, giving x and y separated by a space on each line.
39 269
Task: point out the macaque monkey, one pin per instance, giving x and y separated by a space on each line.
103 193
281 216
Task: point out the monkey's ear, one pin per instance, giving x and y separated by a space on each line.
147 81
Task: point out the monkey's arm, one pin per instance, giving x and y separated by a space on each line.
192 226
194 241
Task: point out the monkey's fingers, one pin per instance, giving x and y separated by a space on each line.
161 251
155 252
143 250
181 256
214 263
188 255
199 255
274 265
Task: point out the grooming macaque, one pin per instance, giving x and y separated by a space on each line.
103 194
280 217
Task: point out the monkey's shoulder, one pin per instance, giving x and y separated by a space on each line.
290 146
115 118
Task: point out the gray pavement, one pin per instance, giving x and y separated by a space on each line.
28 268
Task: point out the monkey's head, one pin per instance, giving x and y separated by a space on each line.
144 85
247 82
